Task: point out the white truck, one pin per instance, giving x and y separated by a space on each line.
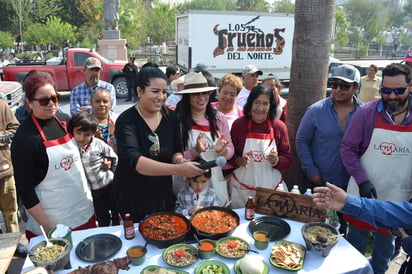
225 42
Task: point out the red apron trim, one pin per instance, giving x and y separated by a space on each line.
206 128
364 226
248 187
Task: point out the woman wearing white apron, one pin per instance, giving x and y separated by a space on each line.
261 147
205 132
49 174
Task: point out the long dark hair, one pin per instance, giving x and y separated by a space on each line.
255 93
185 115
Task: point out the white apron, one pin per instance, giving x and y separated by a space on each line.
387 162
64 193
217 180
259 172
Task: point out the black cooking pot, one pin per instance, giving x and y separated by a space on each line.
163 227
215 236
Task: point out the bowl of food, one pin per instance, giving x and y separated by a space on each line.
232 247
180 255
164 228
251 264
321 237
51 258
212 266
214 222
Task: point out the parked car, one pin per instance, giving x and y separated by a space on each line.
12 93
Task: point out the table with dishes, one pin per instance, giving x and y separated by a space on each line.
343 257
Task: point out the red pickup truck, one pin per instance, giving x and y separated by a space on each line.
67 71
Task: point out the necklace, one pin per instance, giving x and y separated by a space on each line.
403 111
152 127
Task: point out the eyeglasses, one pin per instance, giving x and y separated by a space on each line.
397 91
207 93
45 100
155 148
343 86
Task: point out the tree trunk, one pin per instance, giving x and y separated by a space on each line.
309 71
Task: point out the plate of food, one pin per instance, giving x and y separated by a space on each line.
180 255
155 269
288 255
164 228
98 247
212 267
276 227
232 247
251 264
214 222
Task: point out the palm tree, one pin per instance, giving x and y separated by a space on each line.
309 71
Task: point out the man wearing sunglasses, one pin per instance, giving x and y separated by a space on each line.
80 95
377 151
322 127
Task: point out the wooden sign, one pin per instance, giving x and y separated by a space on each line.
288 205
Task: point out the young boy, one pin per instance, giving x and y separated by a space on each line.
99 162
196 195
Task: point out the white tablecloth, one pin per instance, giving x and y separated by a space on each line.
343 258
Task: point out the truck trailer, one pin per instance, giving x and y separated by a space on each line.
225 42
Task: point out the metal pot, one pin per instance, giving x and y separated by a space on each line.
215 236
168 242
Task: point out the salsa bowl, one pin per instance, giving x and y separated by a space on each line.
54 258
321 237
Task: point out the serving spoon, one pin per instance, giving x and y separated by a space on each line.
48 243
247 250
324 239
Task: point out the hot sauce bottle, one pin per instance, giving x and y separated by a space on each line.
250 209
128 227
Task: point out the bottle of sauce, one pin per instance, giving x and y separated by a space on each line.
308 192
128 227
250 209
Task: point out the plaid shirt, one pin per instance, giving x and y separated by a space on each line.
80 96
187 199
92 159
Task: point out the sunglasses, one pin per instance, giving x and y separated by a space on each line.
155 148
343 86
397 91
44 101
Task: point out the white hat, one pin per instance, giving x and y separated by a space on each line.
195 83
251 69
178 81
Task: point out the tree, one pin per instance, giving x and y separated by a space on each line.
6 40
58 33
36 35
41 9
253 5
70 12
341 28
309 71
161 23
132 22
284 6
207 5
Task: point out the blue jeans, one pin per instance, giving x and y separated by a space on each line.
383 247
131 93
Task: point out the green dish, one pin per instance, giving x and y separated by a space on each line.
301 261
235 252
187 255
237 268
155 267
224 269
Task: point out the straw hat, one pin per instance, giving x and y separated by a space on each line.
178 81
195 83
